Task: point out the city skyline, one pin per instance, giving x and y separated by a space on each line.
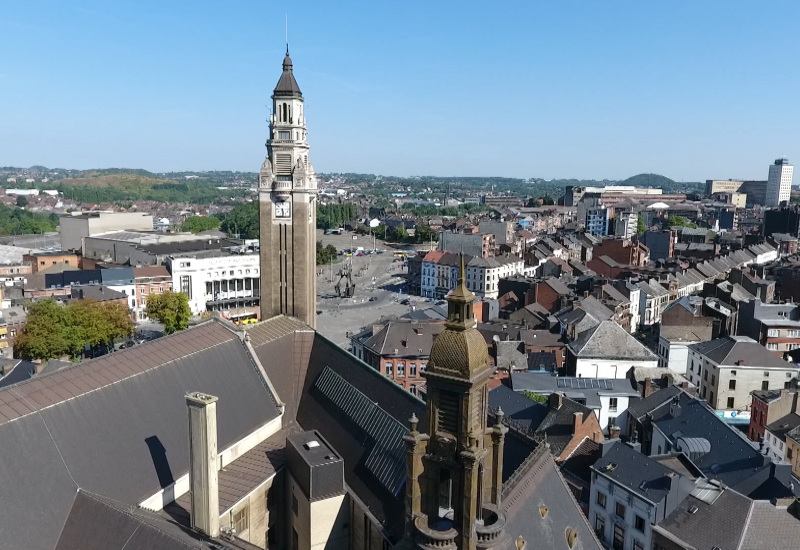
568 91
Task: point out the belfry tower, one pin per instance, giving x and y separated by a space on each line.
287 208
455 471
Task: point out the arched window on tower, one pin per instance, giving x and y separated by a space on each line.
285 113
291 119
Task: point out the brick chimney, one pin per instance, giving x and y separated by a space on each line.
556 400
613 432
203 475
577 422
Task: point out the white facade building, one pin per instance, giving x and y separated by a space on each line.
439 274
217 281
727 370
779 182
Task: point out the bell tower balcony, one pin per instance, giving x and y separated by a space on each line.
437 534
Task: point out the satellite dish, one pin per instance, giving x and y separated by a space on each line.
375 222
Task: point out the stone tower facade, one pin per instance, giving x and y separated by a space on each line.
287 208
455 470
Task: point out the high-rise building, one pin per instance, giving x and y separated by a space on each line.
779 183
287 206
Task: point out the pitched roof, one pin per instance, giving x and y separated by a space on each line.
653 401
729 350
584 390
131 405
636 472
609 340
784 425
540 508
97 522
690 522
559 424
526 414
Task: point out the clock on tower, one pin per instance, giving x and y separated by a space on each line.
287 218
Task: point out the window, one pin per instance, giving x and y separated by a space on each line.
389 369
713 379
639 523
401 369
601 499
730 402
793 333
772 347
637 545
765 385
600 527
733 373
619 538
773 332
731 384
788 375
412 369
241 520
766 374
294 504
620 510
612 404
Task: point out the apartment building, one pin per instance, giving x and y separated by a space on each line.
727 370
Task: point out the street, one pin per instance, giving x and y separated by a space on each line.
378 276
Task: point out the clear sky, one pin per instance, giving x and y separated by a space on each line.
554 89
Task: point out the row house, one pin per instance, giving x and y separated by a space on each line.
149 280
682 324
399 350
439 273
774 326
652 301
768 406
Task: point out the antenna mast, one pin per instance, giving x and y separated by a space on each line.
287 34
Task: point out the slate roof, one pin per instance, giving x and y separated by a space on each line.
636 472
784 425
558 424
731 458
584 390
653 401
611 341
736 523
526 414
97 522
580 461
287 85
543 486
129 404
730 349
400 339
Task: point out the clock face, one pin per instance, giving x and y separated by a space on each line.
283 209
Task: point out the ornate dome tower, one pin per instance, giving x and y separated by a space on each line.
455 470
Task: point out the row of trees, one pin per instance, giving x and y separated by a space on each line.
54 330
16 221
334 215
198 224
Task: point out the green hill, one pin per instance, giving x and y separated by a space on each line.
649 180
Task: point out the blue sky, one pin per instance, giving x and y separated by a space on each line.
691 90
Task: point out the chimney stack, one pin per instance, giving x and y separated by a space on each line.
577 422
556 399
203 474
613 432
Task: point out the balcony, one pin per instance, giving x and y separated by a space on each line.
489 530
435 535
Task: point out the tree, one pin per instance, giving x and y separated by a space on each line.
424 234
198 224
640 226
533 203
53 330
679 221
397 234
242 221
171 309
548 200
325 254
22 202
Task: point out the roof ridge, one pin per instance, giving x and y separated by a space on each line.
743 535
129 509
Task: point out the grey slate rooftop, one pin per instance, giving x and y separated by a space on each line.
636 472
731 349
609 340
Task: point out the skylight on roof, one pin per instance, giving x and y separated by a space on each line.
312 444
